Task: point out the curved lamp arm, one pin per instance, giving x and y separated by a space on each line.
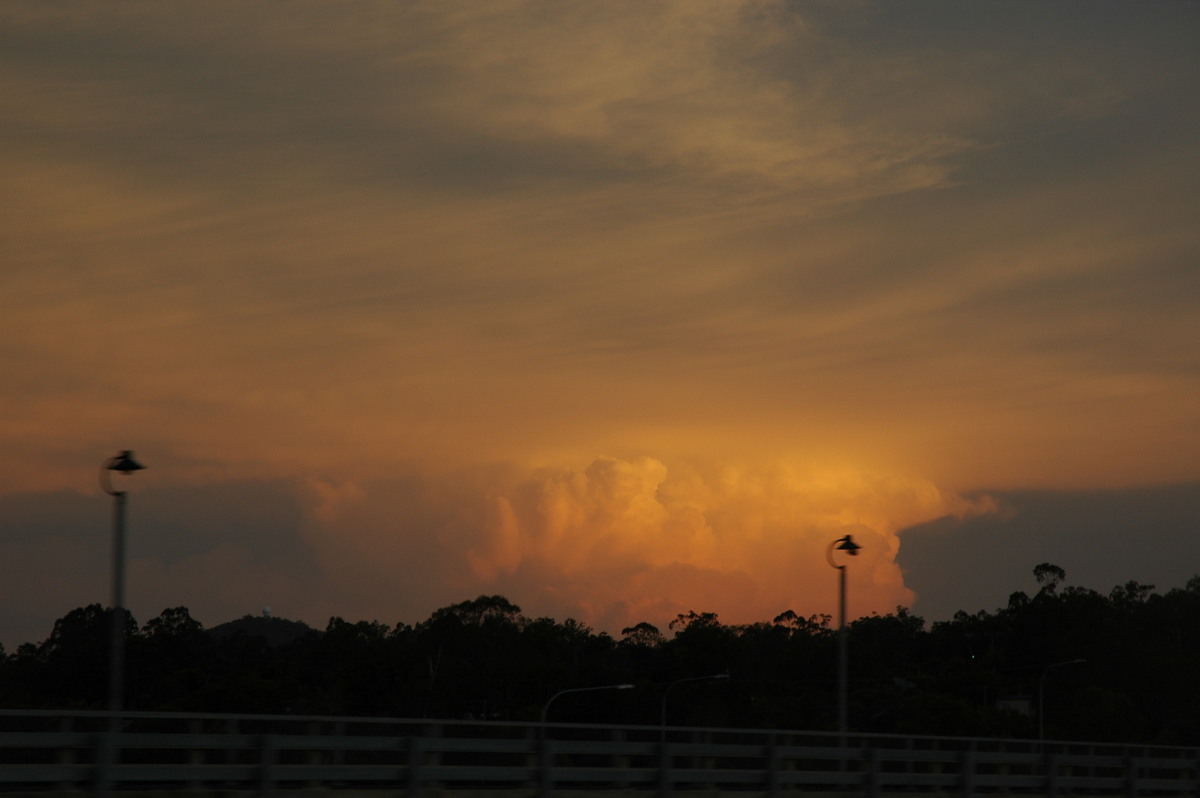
667 692
546 706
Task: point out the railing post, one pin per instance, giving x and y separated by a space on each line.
664 769
1131 776
267 757
314 756
339 731
415 753
863 775
967 763
108 756
195 756
66 756
773 765
1051 766
707 762
533 758
231 728
873 772
546 758
432 755
620 761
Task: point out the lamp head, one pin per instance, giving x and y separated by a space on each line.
124 463
848 545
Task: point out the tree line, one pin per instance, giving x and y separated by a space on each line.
1118 667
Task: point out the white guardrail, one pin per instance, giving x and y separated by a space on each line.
205 754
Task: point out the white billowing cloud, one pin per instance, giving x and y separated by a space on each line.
623 541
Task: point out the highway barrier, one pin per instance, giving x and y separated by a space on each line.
210 754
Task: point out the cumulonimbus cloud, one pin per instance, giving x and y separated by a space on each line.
622 541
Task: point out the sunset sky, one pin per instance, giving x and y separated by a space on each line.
618 309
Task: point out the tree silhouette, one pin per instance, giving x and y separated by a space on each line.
1048 577
977 674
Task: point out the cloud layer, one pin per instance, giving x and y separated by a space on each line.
637 285
613 544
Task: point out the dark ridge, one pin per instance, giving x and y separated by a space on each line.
275 631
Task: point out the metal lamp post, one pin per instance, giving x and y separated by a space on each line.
1042 692
123 463
847 545
663 713
546 789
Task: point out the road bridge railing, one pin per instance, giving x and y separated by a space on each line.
209 754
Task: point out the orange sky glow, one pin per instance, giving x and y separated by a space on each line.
621 310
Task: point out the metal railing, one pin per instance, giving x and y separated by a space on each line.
265 755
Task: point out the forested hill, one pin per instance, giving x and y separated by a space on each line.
1120 666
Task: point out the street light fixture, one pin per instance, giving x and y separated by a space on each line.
1042 691
847 545
667 692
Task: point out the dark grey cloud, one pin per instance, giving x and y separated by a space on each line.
31 517
201 546
1102 538
265 518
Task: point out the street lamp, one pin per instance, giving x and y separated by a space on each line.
667 692
546 778
1042 691
123 463
847 545
546 707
